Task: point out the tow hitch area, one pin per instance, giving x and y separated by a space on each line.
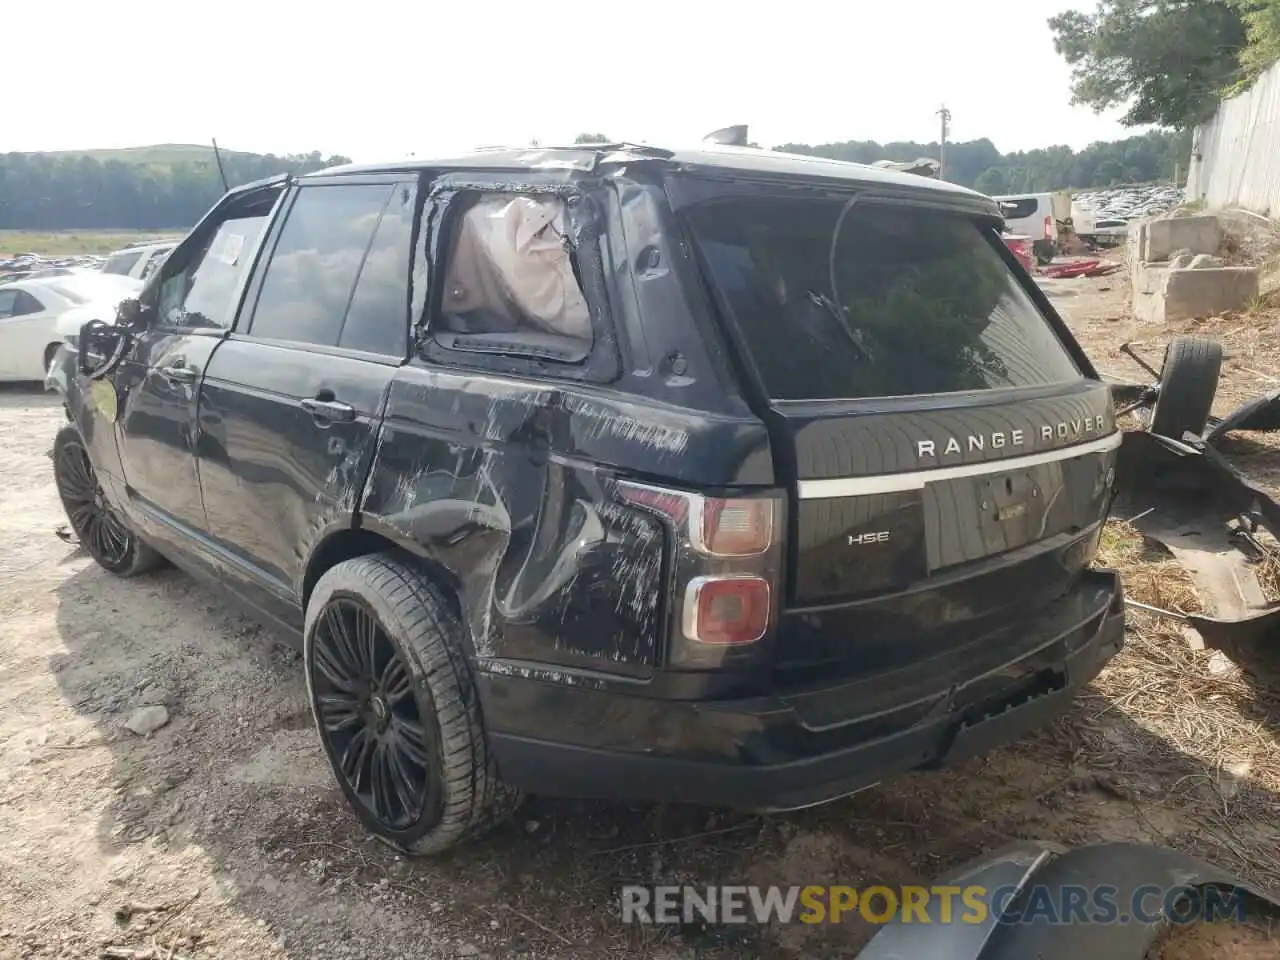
1178 488
1112 901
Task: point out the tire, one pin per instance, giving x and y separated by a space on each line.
103 534
438 782
1188 383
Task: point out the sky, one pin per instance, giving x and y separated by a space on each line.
382 80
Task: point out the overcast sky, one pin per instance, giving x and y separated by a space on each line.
381 79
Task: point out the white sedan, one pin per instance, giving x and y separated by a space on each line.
29 312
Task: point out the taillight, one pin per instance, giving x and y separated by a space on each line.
733 528
1048 228
726 609
725 567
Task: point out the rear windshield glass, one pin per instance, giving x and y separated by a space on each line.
1019 209
899 301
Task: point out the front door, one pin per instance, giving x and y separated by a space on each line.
158 382
291 403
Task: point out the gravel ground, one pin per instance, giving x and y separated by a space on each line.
220 834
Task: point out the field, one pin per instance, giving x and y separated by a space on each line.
222 834
73 242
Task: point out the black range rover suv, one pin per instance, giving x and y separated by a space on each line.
719 477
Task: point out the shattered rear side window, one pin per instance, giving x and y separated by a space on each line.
511 269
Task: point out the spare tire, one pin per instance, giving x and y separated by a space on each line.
1188 383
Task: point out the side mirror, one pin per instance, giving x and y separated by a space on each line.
130 313
100 348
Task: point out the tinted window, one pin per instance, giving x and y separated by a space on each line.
121 262
377 320
18 303
309 280
26 304
899 301
202 293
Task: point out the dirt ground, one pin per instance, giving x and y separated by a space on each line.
222 835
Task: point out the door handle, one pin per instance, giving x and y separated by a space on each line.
332 410
177 374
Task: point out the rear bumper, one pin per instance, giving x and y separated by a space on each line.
767 753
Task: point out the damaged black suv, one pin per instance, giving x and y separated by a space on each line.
722 477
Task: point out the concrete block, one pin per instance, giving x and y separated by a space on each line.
1161 239
1202 261
1205 291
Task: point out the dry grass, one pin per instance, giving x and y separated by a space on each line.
1151 575
71 242
1198 705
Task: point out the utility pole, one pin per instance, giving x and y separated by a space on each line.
945 114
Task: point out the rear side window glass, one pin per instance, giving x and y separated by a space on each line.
886 301
26 304
378 318
512 281
309 281
121 263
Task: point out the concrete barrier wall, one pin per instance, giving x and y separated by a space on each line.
1235 157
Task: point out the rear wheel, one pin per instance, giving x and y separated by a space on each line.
1188 383
395 704
105 536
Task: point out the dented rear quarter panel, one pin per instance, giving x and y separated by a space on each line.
507 485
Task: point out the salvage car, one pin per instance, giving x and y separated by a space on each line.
29 312
722 476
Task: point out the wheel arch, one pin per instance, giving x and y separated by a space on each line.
368 538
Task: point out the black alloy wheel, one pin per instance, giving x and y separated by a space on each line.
394 699
369 717
108 540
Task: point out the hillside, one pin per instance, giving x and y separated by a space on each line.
155 153
157 187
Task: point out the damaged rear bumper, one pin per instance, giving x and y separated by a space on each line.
760 754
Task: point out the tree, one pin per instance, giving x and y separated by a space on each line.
40 191
1262 25
1155 155
591 138
1167 61
991 182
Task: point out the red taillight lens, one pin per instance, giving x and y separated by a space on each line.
1048 228
736 528
726 609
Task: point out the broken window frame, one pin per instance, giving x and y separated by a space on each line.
452 195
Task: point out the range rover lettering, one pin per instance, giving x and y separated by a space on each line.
722 477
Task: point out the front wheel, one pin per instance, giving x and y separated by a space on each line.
105 536
395 704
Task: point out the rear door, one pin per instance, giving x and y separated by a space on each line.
26 322
291 403
951 457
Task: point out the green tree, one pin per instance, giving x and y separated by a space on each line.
591 138
65 191
1262 25
992 182
1166 61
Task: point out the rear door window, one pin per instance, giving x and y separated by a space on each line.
872 300
312 273
378 318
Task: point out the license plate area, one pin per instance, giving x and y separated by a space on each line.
974 517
